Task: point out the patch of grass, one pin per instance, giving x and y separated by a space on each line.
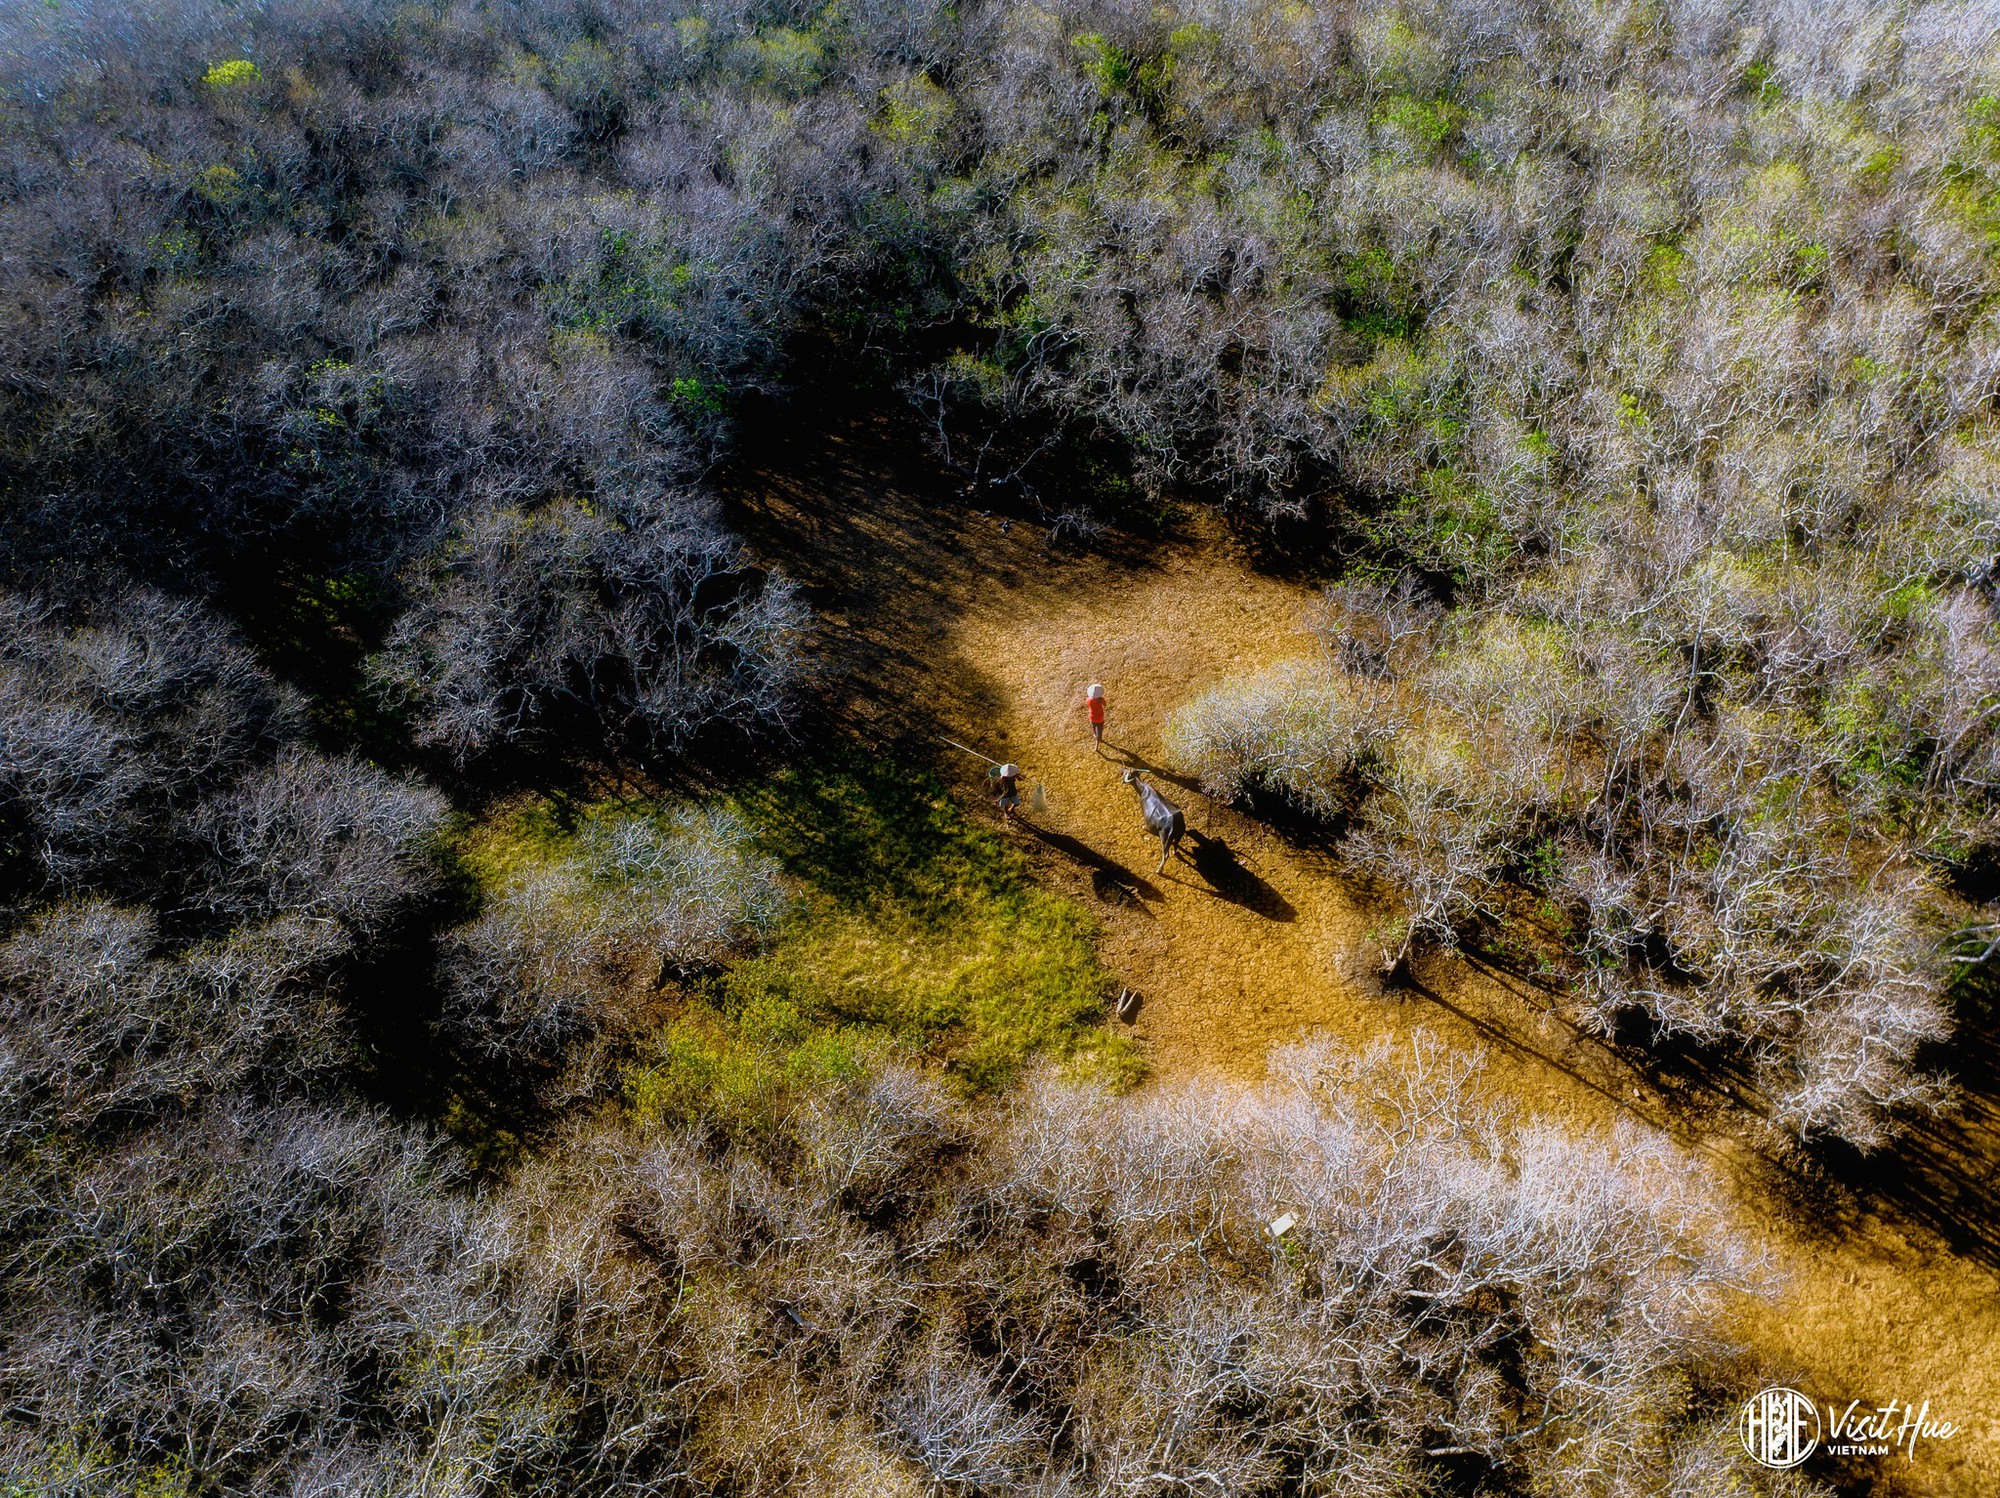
1376 298
912 929
742 1074
789 62
914 113
1667 269
1761 84
517 840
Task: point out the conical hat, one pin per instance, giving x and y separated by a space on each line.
1006 770
1096 690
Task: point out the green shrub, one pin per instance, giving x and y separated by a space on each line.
237 72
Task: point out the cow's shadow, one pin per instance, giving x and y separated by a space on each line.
1229 880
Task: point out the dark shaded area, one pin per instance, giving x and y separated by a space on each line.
1276 813
837 486
1576 1061
1943 1171
1134 760
1231 880
1110 880
405 1064
1108 886
878 828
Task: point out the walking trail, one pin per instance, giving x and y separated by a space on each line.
1887 1286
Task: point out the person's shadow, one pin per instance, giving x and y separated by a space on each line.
1231 881
1110 881
1125 758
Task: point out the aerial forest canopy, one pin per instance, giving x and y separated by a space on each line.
1627 374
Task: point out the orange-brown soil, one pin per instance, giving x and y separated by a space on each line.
1884 1279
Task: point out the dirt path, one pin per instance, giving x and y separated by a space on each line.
1259 942
1248 940
1255 940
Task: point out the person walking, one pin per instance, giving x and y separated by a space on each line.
1093 702
1009 776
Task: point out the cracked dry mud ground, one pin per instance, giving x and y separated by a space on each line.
938 620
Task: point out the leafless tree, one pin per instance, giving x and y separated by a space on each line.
656 628
110 725
321 838
638 898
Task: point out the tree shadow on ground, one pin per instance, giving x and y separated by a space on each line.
1596 1076
1941 1173
1306 831
1943 1170
1130 759
869 829
404 1063
837 488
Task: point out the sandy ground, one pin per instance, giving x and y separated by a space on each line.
1254 939
1253 942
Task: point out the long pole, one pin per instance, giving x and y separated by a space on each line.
963 750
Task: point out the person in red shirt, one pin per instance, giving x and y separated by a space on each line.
1093 702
